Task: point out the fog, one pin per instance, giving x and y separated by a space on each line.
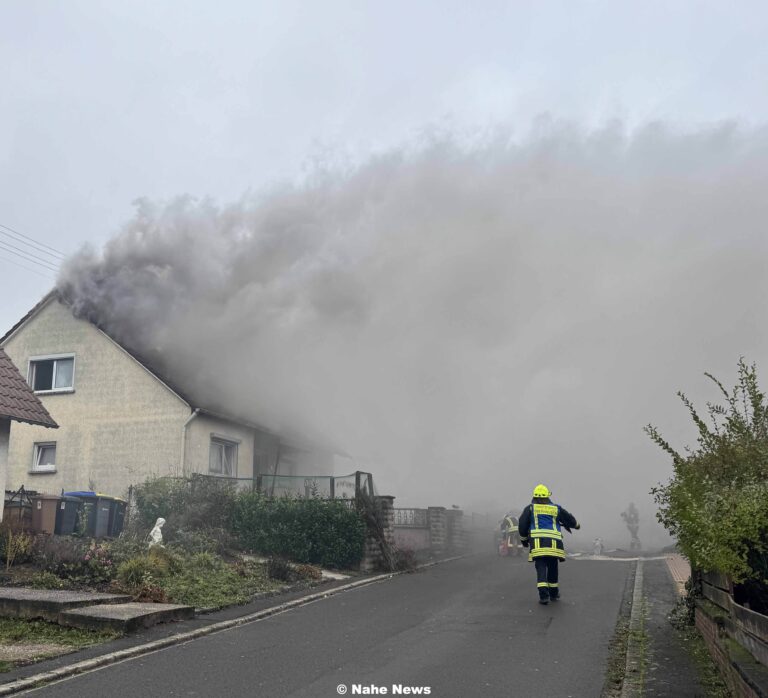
465 316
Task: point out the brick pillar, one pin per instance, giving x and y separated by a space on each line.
456 535
373 558
437 529
386 504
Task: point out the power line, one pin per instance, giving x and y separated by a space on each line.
29 269
26 240
29 257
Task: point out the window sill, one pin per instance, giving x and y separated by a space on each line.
41 472
59 391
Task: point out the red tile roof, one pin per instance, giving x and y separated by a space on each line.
17 401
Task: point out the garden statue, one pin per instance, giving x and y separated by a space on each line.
155 536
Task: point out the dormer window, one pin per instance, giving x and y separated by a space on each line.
52 374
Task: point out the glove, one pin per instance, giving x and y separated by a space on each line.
577 526
524 543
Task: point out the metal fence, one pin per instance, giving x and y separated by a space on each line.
410 518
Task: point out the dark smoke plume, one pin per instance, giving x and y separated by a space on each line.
472 318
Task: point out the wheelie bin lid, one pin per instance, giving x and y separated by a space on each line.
82 494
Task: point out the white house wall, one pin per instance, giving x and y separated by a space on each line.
198 442
5 432
118 427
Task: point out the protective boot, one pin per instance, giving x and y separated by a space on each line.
544 596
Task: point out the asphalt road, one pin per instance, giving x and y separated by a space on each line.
471 627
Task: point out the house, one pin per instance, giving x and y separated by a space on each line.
121 421
17 403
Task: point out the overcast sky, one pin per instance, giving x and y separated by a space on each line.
105 102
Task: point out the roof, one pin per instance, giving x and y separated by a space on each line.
193 401
17 401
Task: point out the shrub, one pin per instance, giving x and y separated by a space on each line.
280 569
405 559
47 580
195 503
135 572
203 541
311 530
308 572
80 562
126 547
716 503
16 546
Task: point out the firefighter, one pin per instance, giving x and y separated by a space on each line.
540 530
509 533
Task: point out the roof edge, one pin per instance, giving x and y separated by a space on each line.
51 295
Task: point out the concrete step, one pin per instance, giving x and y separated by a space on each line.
125 617
48 603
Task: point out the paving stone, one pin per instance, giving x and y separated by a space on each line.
48 603
126 617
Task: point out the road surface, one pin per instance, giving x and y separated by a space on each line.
470 627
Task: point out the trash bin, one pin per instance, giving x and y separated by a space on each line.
44 508
66 515
117 517
94 513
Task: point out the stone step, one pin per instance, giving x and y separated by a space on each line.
124 617
49 603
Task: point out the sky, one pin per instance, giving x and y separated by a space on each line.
343 114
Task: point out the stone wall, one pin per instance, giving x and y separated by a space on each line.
736 637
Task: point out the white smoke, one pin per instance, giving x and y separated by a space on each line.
473 318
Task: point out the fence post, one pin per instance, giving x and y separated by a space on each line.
437 529
332 487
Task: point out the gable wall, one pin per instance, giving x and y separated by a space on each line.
120 426
198 442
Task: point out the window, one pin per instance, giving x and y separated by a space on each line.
223 457
52 373
45 457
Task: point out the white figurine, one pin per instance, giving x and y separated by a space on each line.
156 535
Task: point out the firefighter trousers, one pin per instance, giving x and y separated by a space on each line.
546 576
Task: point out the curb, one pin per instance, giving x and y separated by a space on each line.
632 686
130 653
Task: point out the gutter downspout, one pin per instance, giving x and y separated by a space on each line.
194 414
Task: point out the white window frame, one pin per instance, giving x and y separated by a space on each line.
225 442
36 455
51 357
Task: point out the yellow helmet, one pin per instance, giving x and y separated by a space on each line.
541 491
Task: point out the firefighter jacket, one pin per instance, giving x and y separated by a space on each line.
541 526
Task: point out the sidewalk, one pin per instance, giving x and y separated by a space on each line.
680 571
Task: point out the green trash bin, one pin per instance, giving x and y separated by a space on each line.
117 517
95 512
66 515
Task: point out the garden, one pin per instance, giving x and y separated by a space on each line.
219 548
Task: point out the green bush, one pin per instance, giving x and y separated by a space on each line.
716 503
135 572
82 563
46 580
316 531
193 504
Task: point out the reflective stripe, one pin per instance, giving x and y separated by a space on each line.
541 585
546 533
553 586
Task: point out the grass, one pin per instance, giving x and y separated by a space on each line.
709 675
20 632
617 659
15 631
213 584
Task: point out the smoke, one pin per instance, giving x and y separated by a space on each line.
471 316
